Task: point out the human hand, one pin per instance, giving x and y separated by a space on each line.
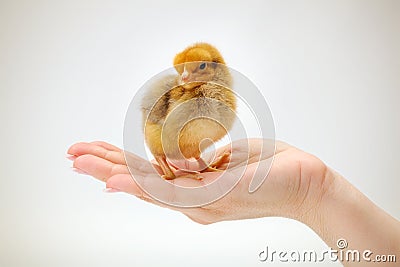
298 186
295 185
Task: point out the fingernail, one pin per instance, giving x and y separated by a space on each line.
71 157
78 170
111 190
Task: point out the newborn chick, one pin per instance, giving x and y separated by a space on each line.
181 111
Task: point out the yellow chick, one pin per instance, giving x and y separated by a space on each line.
183 110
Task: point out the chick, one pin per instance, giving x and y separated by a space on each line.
181 111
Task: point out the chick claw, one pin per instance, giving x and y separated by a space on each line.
167 177
213 167
195 176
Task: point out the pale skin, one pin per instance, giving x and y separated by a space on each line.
299 186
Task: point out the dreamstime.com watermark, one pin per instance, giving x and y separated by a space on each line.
341 254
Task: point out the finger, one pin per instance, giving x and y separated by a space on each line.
99 167
83 148
125 183
107 146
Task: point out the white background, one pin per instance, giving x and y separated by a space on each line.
68 70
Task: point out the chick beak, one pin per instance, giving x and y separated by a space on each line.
185 76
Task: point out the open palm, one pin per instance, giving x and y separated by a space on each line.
295 182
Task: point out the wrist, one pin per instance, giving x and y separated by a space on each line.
345 213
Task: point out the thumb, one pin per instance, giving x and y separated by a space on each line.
123 183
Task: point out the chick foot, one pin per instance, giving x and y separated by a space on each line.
213 167
166 169
195 176
170 175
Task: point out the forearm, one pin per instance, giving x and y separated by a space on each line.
345 213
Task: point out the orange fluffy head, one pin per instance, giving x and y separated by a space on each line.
199 52
197 62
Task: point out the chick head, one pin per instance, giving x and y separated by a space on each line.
198 63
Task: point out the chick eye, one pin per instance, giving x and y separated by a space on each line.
202 66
